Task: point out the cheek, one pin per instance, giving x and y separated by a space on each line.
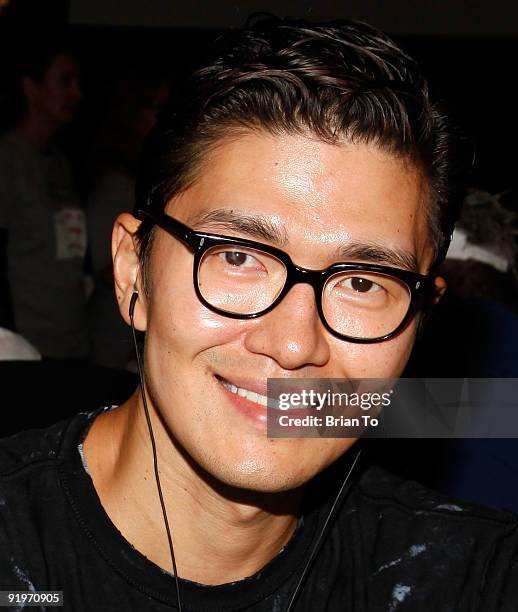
178 323
187 329
379 360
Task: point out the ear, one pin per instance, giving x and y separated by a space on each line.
126 269
440 288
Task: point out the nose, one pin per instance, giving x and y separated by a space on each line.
292 333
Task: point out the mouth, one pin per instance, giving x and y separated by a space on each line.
252 396
249 403
244 395
254 390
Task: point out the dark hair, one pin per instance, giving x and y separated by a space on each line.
336 80
34 59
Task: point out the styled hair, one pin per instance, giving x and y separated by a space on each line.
338 81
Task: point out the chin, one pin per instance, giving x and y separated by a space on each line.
275 473
268 482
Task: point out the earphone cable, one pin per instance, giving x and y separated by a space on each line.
339 497
134 298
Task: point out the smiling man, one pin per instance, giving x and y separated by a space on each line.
291 206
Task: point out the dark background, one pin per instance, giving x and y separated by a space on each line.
468 50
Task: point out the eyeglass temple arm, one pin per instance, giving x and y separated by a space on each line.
166 222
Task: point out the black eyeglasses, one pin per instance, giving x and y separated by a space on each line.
244 279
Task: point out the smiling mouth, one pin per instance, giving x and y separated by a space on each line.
252 396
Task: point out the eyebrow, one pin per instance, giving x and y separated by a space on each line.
257 227
252 226
377 253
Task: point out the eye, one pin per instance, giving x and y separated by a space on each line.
361 285
240 259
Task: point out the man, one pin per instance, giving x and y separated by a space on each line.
299 146
42 225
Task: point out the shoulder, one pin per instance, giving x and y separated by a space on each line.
36 519
378 486
32 449
12 146
8 140
15 164
29 496
31 499
412 533
408 504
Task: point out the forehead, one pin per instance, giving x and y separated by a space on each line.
317 194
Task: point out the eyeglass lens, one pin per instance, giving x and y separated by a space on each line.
357 304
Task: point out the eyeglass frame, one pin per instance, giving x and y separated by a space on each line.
420 286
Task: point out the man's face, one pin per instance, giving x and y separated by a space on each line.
58 93
318 196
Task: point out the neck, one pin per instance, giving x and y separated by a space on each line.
38 129
220 534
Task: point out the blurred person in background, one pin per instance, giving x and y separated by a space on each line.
43 228
480 308
483 255
478 319
134 104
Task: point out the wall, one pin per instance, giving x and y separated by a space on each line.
435 17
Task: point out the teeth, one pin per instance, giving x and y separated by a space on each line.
257 398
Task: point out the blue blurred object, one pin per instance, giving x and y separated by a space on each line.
473 338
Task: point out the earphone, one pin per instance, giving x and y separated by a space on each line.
133 301
342 492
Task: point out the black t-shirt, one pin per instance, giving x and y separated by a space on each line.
393 547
